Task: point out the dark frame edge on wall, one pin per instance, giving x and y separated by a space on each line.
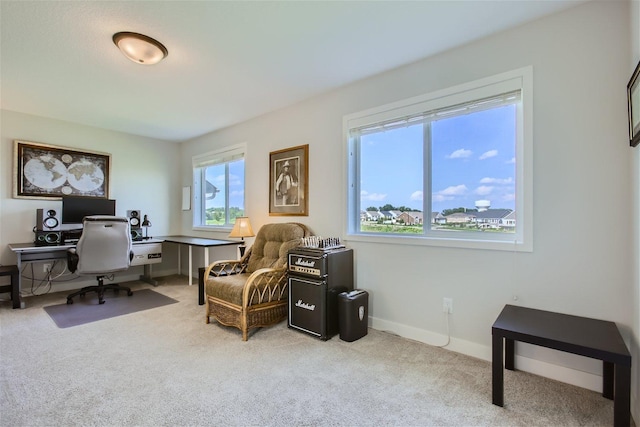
633 99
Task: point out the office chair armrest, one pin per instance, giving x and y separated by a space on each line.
72 260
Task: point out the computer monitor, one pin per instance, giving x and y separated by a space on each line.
75 208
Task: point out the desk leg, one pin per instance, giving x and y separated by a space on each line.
146 277
497 370
622 397
16 290
190 265
201 285
509 354
607 379
179 259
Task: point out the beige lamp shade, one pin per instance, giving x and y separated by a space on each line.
242 228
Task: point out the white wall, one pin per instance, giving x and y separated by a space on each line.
144 175
585 205
581 263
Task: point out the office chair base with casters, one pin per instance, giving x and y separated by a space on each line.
99 288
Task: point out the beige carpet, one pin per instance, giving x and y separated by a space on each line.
166 367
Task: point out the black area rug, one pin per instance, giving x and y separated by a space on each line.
87 310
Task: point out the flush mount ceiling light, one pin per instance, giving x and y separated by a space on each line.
139 48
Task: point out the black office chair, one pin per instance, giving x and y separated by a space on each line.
104 247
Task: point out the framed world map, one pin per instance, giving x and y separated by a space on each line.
49 171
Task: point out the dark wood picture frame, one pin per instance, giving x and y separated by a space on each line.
44 171
633 98
288 181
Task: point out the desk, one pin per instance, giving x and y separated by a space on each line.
29 252
593 338
199 242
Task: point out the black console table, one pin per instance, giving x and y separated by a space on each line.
593 338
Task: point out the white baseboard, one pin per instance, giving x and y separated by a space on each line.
559 373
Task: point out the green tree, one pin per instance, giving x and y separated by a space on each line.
457 210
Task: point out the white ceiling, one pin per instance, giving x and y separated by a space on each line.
228 61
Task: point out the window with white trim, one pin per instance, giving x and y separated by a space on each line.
218 182
450 168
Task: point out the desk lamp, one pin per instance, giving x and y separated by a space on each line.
146 224
242 228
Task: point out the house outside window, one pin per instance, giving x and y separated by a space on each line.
450 168
218 182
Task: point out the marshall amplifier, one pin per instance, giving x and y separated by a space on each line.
316 277
308 262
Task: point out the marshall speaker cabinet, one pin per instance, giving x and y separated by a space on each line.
316 277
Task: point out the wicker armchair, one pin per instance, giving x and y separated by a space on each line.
252 292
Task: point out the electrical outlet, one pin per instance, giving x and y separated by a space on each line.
447 305
46 268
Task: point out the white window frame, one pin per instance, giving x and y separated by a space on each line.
520 79
212 158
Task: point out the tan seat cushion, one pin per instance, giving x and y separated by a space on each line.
227 288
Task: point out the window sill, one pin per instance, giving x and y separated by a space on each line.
216 228
511 245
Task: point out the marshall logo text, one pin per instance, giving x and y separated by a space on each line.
304 263
306 306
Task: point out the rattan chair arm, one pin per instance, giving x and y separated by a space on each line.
269 284
225 268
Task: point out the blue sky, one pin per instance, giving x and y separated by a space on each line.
473 158
216 176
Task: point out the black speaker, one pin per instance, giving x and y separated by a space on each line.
47 220
136 234
48 238
135 218
135 221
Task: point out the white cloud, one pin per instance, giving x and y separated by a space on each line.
489 154
484 190
220 180
233 180
503 181
460 154
374 197
454 190
511 161
449 193
509 197
416 195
